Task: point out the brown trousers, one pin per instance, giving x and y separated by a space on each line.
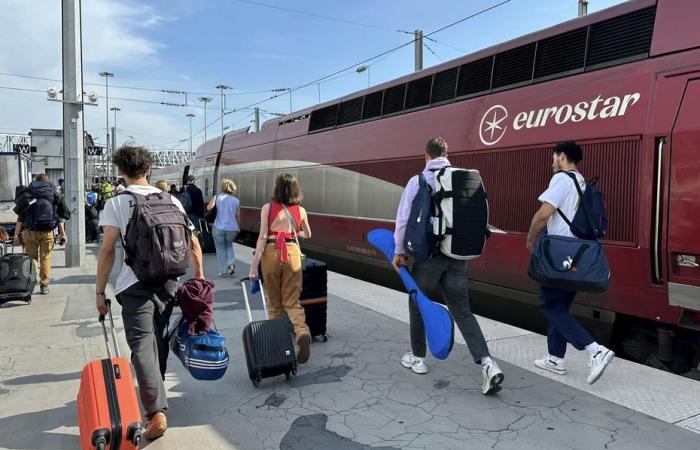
38 245
283 286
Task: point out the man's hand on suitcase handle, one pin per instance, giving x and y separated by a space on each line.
102 304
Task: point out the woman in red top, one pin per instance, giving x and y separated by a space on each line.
277 247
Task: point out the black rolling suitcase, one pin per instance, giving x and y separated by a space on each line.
314 297
17 277
268 344
206 240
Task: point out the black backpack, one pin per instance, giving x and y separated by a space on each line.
157 239
41 213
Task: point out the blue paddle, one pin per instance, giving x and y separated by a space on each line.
439 326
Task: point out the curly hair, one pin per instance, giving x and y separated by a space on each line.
436 147
134 162
287 190
228 186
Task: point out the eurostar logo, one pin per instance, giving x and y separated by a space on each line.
492 128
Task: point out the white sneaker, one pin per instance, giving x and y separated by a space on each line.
416 364
493 378
545 363
598 363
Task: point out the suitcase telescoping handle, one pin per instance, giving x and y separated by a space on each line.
247 303
114 332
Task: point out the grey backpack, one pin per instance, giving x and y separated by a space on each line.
157 239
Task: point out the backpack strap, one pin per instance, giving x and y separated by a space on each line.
581 202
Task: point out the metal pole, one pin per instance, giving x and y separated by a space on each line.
290 100
582 7
418 50
319 92
206 100
190 115
257 119
73 142
368 85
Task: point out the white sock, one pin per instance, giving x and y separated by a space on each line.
486 360
556 359
593 348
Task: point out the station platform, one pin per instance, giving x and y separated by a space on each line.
353 393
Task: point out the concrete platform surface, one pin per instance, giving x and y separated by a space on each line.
353 393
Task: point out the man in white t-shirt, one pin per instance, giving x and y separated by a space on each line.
145 309
561 197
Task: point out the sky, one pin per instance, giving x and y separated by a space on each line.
253 46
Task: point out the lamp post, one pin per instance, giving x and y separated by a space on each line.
114 134
205 100
107 76
221 88
362 69
190 115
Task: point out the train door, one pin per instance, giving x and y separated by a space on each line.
684 203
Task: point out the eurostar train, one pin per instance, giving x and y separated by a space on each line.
623 82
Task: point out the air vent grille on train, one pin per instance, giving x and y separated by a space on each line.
621 37
611 42
419 92
475 77
561 54
373 105
323 118
514 66
444 85
350 111
393 99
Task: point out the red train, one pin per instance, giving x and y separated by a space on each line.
623 82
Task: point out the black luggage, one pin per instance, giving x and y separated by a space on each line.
314 297
268 344
17 277
206 240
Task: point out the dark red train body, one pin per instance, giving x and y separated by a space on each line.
624 83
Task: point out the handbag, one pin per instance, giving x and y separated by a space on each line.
569 263
204 355
296 238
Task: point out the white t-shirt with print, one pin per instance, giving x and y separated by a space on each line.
117 213
562 194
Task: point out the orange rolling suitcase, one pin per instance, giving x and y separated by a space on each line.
109 416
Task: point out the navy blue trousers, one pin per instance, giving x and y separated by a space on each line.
563 327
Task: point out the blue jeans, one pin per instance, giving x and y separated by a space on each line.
563 327
223 240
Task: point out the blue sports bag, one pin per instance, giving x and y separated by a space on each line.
570 264
204 356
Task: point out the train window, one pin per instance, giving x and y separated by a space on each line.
444 85
514 66
561 54
373 105
324 118
394 99
419 92
627 36
475 77
350 111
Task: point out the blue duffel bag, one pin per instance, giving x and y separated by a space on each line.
570 263
203 355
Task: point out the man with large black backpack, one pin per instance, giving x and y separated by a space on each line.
158 242
442 222
40 210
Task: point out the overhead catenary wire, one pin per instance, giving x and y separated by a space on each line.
321 16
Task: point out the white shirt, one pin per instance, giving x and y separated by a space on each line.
117 213
562 194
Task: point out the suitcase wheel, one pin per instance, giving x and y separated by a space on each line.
256 382
324 338
288 375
